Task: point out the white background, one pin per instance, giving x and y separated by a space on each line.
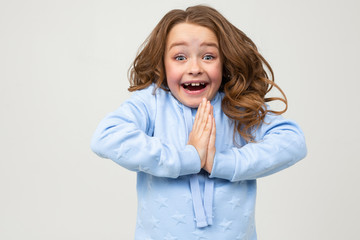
63 66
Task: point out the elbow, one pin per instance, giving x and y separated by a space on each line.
299 146
95 146
302 147
297 140
294 144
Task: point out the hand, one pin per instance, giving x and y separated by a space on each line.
201 132
203 135
211 148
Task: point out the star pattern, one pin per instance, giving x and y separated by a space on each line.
170 200
155 222
248 215
168 236
225 224
179 218
139 223
220 191
240 237
234 202
187 197
199 234
143 206
161 201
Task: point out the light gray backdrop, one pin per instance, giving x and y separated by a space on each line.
63 66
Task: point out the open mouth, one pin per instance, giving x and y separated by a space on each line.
194 86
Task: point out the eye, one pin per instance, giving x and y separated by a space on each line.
208 57
180 58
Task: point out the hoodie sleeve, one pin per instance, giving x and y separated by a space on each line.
125 136
279 144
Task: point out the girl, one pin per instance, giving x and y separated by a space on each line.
197 129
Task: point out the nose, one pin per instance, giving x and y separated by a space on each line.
195 67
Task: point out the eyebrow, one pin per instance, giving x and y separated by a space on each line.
207 44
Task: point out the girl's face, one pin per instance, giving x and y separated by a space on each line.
192 63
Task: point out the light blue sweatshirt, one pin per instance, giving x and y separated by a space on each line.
177 200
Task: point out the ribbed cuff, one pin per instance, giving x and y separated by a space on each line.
224 166
190 161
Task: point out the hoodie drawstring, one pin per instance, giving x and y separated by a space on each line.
208 199
200 218
202 209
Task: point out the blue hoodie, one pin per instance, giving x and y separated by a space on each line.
177 200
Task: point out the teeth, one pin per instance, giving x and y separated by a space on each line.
194 84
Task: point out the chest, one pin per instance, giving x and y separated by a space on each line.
173 124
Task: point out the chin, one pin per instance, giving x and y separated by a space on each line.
192 104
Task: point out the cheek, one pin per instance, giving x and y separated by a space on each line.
216 74
172 75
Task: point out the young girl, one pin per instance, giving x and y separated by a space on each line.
197 129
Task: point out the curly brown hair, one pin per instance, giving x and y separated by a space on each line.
245 79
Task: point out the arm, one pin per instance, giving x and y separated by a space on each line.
125 136
279 144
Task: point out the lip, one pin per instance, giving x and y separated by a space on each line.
195 81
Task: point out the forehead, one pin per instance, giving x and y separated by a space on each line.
190 33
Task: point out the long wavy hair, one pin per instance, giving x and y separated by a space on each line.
245 79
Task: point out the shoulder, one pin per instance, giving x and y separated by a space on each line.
277 124
144 93
150 93
148 100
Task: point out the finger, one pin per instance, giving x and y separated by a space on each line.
203 115
211 149
213 134
199 114
209 113
211 110
206 113
208 108
208 127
